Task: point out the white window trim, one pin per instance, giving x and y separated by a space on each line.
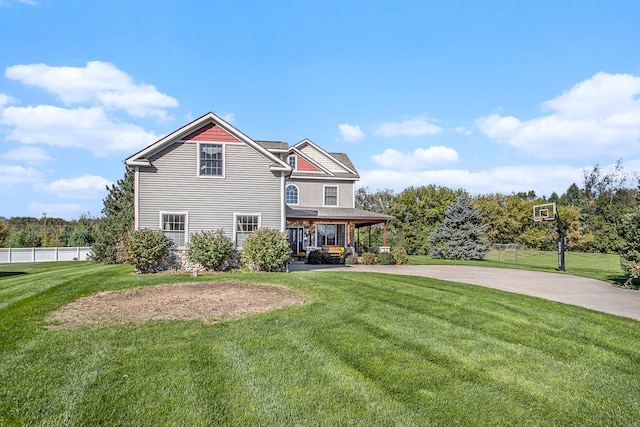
324 194
331 223
186 225
285 194
295 168
235 220
224 160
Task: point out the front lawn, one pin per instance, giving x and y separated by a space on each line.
364 349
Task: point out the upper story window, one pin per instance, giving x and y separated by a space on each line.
293 162
211 160
331 195
291 195
174 227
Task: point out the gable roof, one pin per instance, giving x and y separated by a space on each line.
335 165
195 130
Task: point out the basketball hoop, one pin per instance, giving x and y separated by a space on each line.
544 212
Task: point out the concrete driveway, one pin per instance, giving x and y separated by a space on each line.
561 287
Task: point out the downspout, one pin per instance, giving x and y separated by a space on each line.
136 198
283 206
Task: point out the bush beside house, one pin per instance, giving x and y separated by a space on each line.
210 249
266 250
146 249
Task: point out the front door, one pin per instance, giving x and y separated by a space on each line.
296 239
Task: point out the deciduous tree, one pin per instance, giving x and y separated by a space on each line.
418 210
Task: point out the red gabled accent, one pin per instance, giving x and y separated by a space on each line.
211 132
303 165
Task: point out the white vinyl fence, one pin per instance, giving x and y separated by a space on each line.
9 255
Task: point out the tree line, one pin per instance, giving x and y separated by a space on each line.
594 214
31 232
101 233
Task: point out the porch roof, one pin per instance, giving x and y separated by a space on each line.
359 217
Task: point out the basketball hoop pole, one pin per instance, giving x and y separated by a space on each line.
562 244
541 214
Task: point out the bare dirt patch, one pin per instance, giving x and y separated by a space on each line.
206 302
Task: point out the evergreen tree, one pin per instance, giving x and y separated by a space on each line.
630 253
418 210
461 234
117 220
573 196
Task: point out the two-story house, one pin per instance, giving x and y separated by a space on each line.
208 175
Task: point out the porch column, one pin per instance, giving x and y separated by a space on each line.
385 235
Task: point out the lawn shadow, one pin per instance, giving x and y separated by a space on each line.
11 273
621 280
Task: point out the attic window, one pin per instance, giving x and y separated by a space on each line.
292 162
211 160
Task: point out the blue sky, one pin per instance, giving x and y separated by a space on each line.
493 96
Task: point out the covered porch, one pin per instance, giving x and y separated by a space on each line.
330 229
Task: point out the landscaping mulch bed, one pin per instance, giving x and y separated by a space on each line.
206 302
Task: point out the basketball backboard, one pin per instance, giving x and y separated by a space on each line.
544 212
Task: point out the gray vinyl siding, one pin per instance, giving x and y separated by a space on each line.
172 185
311 192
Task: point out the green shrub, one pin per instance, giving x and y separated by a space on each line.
209 249
386 258
399 255
26 238
315 257
147 249
368 258
266 250
351 259
81 237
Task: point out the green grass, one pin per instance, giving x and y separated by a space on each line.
597 266
365 349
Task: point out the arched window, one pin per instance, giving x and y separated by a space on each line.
291 195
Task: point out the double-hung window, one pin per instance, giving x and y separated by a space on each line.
245 225
292 162
211 160
331 195
174 227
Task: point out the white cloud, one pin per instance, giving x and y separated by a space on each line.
413 127
228 117
56 210
82 187
394 159
351 133
597 117
543 179
99 83
29 155
27 2
12 174
87 128
463 130
6 100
